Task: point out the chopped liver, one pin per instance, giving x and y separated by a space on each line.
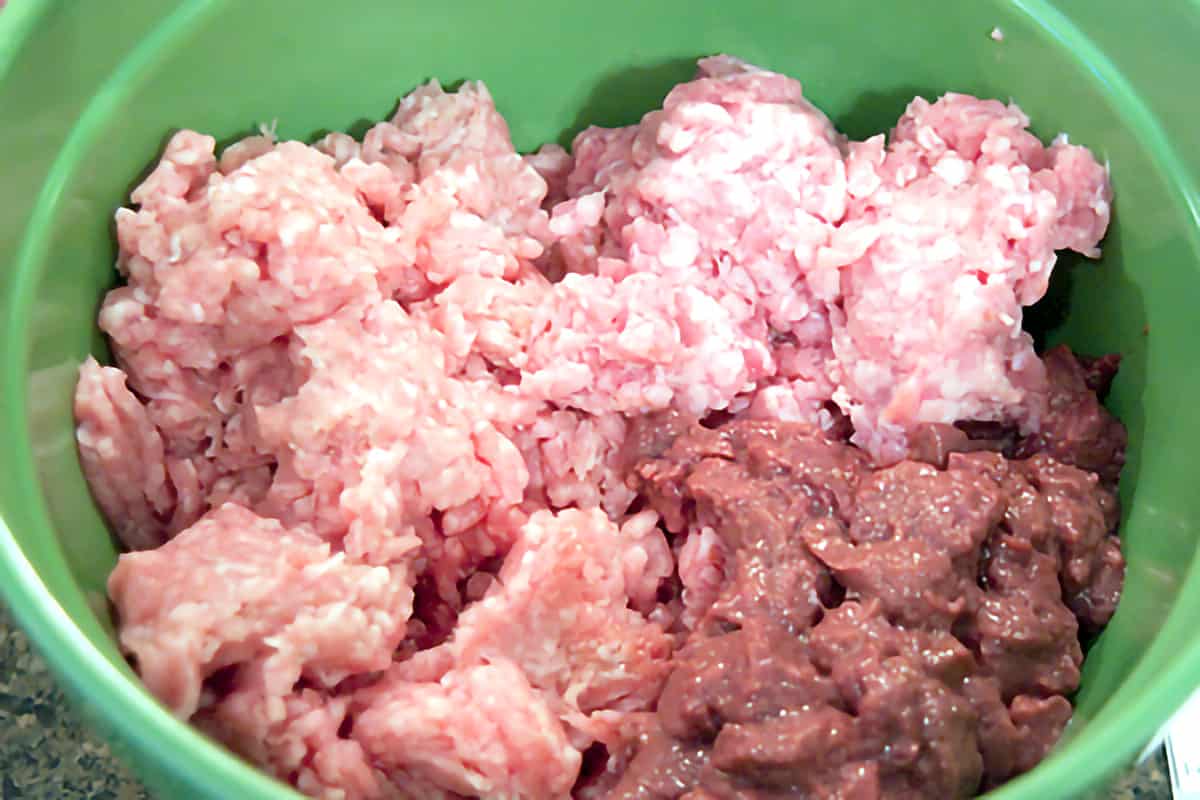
863 632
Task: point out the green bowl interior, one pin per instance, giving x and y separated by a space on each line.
90 96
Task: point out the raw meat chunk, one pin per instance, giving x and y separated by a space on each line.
950 229
378 437
480 731
122 456
236 587
897 632
569 609
296 737
691 233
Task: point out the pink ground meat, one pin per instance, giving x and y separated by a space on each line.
297 737
235 588
587 587
692 231
952 229
364 432
480 731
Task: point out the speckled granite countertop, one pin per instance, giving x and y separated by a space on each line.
45 755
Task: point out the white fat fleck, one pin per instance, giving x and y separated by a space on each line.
176 249
928 139
680 139
329 564
907 172
999 176
244 184
945 249
683 245
951 169
123 310
293 225
911 285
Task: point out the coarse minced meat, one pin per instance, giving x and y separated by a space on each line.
254 590
588 587
951 229
366 432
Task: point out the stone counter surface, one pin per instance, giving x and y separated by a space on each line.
45 754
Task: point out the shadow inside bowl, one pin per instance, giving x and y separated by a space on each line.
876 112
623 96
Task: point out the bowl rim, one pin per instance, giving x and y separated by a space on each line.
108 699
140 724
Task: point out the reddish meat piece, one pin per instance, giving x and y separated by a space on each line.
927 651
1077 429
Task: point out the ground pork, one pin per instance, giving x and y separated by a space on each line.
952 228
378 437
296 737
479 731
690 233
570 608
237 587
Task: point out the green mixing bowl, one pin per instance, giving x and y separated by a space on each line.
89 91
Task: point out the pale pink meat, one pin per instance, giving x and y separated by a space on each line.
569 608
952 229
296 738
378 437
220 270
370 398
225 260
692 232
888 279
236 587
571 455
479 731
122 456
445 177
574 460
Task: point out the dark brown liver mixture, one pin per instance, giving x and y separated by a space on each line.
911 631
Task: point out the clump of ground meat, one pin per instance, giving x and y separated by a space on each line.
375 406
856 631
